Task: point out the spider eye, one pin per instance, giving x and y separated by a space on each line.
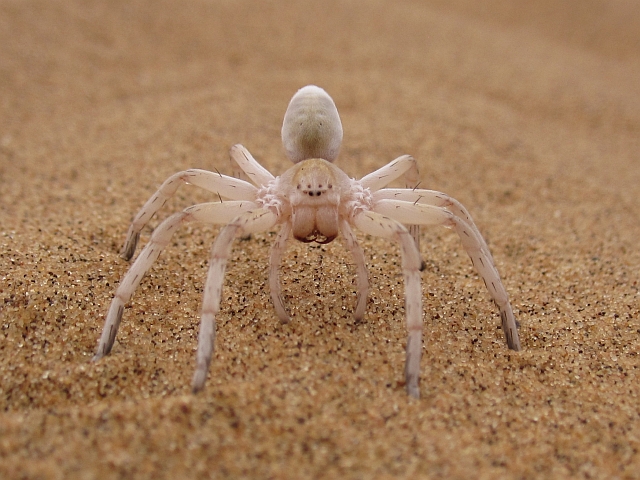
298 187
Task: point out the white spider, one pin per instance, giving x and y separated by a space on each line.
314 201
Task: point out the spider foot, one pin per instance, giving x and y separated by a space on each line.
510 328
108 338
130 245
199 378
97 357
413 391
281 311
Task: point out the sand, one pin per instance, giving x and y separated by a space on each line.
526 112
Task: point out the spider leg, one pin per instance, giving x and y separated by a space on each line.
361 267
206 212
227 187
403 165
473 244
437 199
252 221
277 251
383 226
249 165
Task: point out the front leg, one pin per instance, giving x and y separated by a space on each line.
436 199
253 221
472 242
361 269
277 251
404 165
206 212
224 186
383 226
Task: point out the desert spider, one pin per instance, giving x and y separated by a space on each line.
314 201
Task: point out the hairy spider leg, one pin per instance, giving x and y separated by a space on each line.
214 213
253 221
383 226
472 242
380 178
277 251
362 276
259 175
436 199
227 187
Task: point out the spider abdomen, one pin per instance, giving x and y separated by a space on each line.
311 127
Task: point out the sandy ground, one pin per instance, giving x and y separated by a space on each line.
527 112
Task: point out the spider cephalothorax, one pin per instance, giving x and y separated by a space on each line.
313 201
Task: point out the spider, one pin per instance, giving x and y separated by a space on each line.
313 201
